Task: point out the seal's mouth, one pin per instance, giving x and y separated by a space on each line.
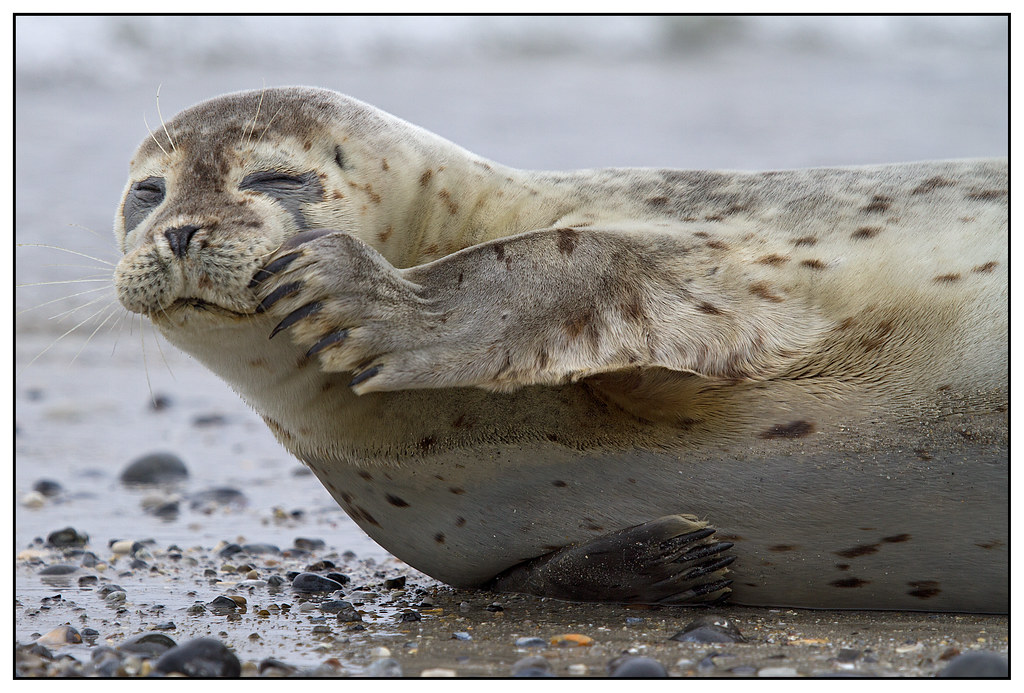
193 304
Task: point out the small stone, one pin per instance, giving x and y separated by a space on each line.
709 629
61 635
47 487
68 536
532 668
572 640
147 644
395 583
275 581
636 668
462 635
211 499
260 549
223 604
309 583
276 667
202 657
309 544
155 468
122 547
380 652
384 668
847 655
335 606
33 499
977 664
87 580
438 673
340 578
115 597
531 642
59 569
409 616
577 669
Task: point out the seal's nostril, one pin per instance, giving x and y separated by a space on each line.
178 238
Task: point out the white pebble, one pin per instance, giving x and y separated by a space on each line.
123 546
380 652
33 499
772 672
438 673
577 670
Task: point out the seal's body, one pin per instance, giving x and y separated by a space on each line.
553 383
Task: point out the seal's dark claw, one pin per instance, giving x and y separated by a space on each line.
328 341
364 376
277 294
296 315
272 268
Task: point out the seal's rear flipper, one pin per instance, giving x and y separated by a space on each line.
672 560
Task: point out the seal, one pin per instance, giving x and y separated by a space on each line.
783 387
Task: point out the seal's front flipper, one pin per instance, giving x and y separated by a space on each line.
672 560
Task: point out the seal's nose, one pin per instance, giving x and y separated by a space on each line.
178 239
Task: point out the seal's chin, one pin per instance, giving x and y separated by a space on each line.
191 308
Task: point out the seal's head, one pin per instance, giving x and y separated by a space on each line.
226 182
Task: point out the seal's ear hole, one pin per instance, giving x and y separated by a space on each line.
339 157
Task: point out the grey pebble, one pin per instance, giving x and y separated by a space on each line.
531 642
222 604
259 549
532 668
202 657
334 606
149 645
977 665
68 536
213 498
155 468
309 544
47 487
461 635
629 666
395 583
409 616
709 629
59 569
384 668
308 583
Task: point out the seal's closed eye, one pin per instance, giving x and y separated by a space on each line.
142 198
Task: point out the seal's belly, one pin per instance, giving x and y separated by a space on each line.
884 531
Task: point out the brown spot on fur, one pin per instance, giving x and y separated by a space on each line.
922 454
842 566
431 249
384 164
943 388
717 245
365 475
858 551
396 501
924 589
879 337
780 548
897 539
386 234
706 307
595 528
567 240
849 582
866 232
575 325
559 483
464 421
456 490
764 291
257 363
460 521
794 429
346 497
439 537
658 201
701 234
879 203
774 260
987 267
307 145
499 251
805 240
814 264
952 277
993 544
552 437
366 516
425 178
713 217
277 429
426 444
446 197
847 323
986 194
632 308
338 195
931 184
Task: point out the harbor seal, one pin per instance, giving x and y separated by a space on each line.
665 386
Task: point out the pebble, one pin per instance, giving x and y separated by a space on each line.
68 536
260 549
148 644
115 597
202 657
709 629
309 544
33 499
380 652
122 547
636 668
223 604
395 583
309 583
61 635
59 569
577 669
532 668
461 635
977 665
211 499
531 642
155 468
384 668
409 616
572 640
47 487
